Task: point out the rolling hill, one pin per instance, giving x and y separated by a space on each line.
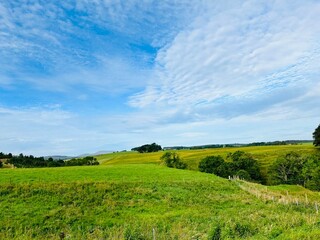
132 196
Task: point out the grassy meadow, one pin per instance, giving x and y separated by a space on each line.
264 154
132 196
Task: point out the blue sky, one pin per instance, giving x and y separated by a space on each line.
84 76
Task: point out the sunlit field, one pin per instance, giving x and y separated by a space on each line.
132 196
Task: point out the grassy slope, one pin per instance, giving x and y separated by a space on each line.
265 155
133 201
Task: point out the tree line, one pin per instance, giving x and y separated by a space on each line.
25 161
147 148
290 168
293 168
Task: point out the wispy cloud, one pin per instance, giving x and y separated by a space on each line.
246 55
109 44
89 75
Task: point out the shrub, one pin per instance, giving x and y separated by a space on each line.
172 160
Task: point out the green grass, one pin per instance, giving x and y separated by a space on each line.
132 196
264 154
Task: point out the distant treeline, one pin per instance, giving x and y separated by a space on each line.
24 161
5 156
153 147
287 142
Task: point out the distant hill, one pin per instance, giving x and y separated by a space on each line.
57 157
94 154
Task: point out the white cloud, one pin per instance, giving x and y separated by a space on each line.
44 46
147 21
227 71
240 54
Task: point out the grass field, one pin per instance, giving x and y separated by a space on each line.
128 198
264 154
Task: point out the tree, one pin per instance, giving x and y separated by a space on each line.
1 164
211 164
172 160
316 136
315 181
153 147
288 169
245 161
243 174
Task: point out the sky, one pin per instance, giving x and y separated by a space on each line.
84 76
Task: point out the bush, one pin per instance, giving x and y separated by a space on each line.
172 160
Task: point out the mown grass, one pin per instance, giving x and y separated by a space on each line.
141 201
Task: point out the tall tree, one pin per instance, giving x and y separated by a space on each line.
288 169
316 136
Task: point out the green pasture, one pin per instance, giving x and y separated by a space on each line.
264 154
132 196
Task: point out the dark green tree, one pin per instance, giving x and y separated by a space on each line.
245 161
288 169
153 147
315 181
243 174
316 136
211 164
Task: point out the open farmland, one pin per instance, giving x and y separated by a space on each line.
264 154
144 200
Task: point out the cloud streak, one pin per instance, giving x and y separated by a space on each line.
82 76
246 53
